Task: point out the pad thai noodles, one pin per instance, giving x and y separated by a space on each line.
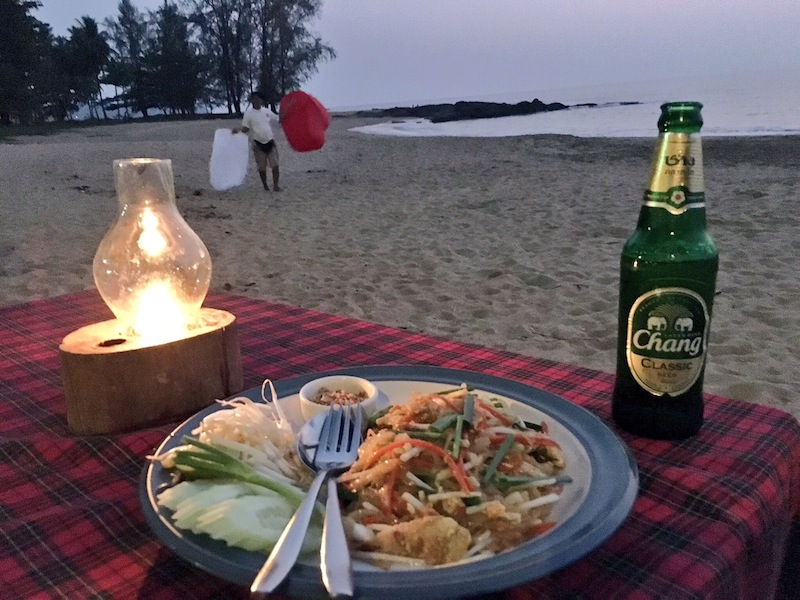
450 476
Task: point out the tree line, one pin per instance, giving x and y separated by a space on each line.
186 56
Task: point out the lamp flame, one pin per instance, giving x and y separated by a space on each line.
151 242
160 316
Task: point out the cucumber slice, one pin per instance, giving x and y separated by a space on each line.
240 514
188 511
253 523
173 496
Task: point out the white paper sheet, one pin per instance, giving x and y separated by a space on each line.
229 156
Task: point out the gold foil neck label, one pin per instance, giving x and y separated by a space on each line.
678 163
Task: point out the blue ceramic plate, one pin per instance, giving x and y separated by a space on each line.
605 484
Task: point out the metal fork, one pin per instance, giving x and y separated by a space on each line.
339 439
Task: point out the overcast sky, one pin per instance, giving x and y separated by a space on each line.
406 51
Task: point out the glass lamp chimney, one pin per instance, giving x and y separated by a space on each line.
152 270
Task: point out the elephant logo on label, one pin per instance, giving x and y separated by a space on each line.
656 323
684 324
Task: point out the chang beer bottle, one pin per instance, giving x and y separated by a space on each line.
668 274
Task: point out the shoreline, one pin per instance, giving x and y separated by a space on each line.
509 242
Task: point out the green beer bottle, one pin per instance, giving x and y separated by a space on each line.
668 273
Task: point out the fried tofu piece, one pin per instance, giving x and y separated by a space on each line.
420 409
435 539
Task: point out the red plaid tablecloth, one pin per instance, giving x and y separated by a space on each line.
712 519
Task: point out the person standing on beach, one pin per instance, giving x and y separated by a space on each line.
257 123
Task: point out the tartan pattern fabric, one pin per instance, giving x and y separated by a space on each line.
712 518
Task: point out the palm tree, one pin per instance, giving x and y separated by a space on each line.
89 51
131 37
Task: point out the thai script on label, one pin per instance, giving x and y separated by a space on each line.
667 338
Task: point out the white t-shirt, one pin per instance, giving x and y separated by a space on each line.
259 123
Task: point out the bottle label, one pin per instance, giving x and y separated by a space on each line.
677 184
667 338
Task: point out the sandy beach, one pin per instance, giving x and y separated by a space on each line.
506 242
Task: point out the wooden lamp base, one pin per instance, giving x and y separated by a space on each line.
114 383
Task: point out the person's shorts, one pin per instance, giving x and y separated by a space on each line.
265 158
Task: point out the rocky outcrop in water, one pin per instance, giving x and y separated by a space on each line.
461 111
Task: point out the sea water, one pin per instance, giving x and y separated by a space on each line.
740 104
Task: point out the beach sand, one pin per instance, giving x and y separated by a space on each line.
510 242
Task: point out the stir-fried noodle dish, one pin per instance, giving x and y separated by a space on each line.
447 477
450 476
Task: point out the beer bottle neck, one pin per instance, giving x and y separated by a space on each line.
675 194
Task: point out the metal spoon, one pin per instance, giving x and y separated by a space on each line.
328 443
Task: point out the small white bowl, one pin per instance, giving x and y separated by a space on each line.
347 383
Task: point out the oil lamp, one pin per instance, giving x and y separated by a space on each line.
164 355
151 268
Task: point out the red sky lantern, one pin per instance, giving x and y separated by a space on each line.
304 121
